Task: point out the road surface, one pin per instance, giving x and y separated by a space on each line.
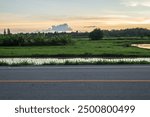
106 82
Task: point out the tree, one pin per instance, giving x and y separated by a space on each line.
96 34
4 31
8 31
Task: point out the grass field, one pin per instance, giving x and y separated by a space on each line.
81 48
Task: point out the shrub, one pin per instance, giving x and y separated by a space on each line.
96 34
40 40
12 40
60 40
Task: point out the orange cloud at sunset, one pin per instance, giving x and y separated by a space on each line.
77 23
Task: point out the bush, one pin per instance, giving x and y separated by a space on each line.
61 40
12 40
96 34
39 40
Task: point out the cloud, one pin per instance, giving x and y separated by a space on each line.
136 3
58 28
90 26
61 28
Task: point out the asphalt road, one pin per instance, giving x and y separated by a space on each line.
106 82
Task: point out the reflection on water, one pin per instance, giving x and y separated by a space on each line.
145 46
41 61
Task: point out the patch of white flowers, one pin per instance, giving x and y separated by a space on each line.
41 61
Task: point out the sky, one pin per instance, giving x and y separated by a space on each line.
79 15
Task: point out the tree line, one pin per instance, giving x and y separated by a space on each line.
133 32
63 38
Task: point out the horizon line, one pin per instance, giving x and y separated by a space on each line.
73 31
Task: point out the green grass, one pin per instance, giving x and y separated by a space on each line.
81 48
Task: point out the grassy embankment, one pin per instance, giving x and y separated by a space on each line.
81 48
